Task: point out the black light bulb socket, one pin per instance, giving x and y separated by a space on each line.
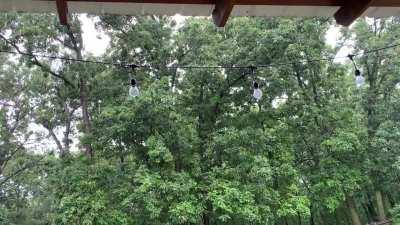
132 66
133 82
358 73
255 85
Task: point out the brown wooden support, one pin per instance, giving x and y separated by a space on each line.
222 11
62 9
352 9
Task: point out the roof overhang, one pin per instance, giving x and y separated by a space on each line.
344 11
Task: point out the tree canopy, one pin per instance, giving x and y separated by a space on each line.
194 147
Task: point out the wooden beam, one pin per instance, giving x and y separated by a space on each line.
62 9
292 2
349 10
353 9
237 2
377 3
199 2
222 11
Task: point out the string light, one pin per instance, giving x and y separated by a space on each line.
133 89
359 78
257 93
201 67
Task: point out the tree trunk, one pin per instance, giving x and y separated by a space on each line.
368 213
380 206
206 219
299 219
83 92
370 205
386 202
392 200
58 143
85 114
69 115
312 221
355 218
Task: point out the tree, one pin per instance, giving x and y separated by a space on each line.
25 33
378 70
194 147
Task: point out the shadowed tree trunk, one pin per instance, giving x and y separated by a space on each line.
380 206
368 214
299 222
83 92
355 218
386 201
312 221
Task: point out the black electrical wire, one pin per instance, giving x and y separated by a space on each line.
378 49
66 58
133 66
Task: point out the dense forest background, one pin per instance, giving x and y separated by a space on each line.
194 148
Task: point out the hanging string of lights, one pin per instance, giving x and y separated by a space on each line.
130 65
257 93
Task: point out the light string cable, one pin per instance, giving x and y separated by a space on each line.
129 65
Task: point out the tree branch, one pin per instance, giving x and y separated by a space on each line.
27 166
37 62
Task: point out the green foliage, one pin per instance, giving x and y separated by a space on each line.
194 148
84 196
3 216
396 215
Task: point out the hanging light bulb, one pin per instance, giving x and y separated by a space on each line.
257 93
360 80
133 90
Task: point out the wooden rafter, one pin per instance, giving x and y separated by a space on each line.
376 3
62 9
349 10
353 9
222 11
